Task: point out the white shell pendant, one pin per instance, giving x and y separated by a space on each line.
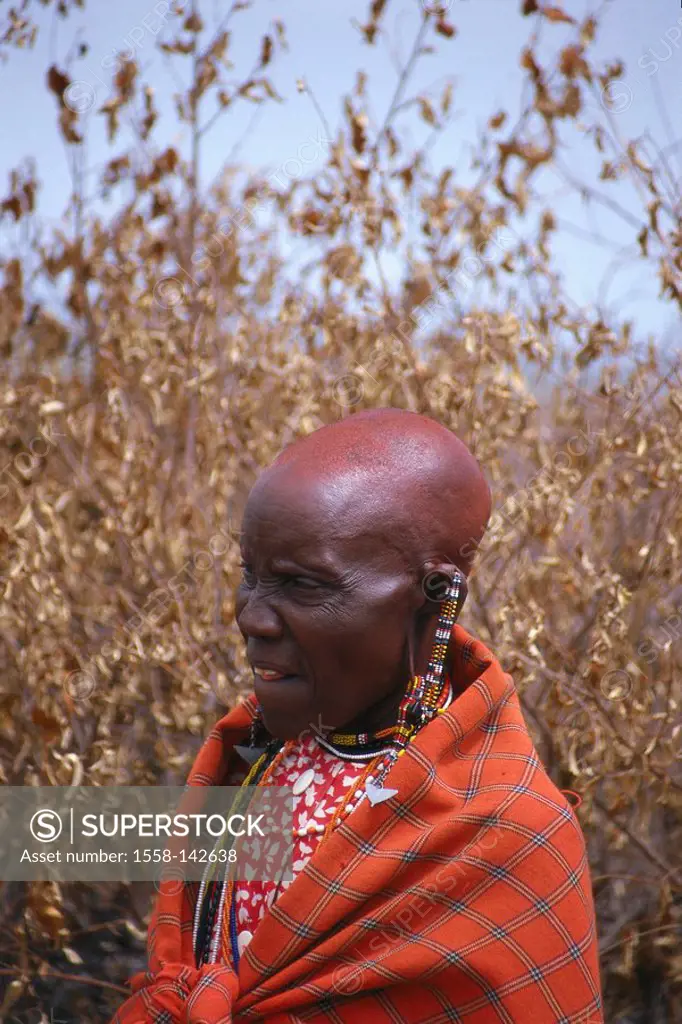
303 781
243 939
376 795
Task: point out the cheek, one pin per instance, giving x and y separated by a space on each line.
360 640
241 600
383 618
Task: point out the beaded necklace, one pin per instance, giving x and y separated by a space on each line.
215 922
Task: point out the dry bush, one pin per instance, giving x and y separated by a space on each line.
188 352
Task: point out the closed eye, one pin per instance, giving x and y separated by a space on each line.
304 582
301 581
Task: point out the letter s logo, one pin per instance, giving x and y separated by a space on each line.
46 826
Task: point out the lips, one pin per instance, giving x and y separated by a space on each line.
284 696
269 672
270 675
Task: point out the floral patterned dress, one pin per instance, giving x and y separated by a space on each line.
330 778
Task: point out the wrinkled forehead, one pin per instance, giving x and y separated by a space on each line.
340 517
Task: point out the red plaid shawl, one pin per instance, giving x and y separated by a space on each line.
464 898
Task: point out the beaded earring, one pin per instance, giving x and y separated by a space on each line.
424 693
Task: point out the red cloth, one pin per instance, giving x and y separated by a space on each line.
464 898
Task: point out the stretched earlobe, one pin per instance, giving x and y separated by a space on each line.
444 581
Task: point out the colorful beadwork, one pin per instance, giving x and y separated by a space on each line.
424 693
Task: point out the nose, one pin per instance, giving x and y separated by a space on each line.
256 617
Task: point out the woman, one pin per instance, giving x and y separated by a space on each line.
439 875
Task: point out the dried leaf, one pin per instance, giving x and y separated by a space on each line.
193 23
446 99
557 14
359 132
266 51
57 81
427 112
14 991
588 30
444 28
50 727
13 206
572 62
71 955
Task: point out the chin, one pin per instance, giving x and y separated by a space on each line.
283 728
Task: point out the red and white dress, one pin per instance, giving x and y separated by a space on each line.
329 780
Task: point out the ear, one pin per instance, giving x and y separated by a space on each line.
438 579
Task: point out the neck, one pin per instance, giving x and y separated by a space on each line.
382 714
379 716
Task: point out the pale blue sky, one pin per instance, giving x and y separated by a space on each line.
326 49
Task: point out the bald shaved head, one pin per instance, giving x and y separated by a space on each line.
396 466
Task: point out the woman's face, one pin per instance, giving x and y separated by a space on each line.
326 603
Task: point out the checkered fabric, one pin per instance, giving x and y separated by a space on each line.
466 897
